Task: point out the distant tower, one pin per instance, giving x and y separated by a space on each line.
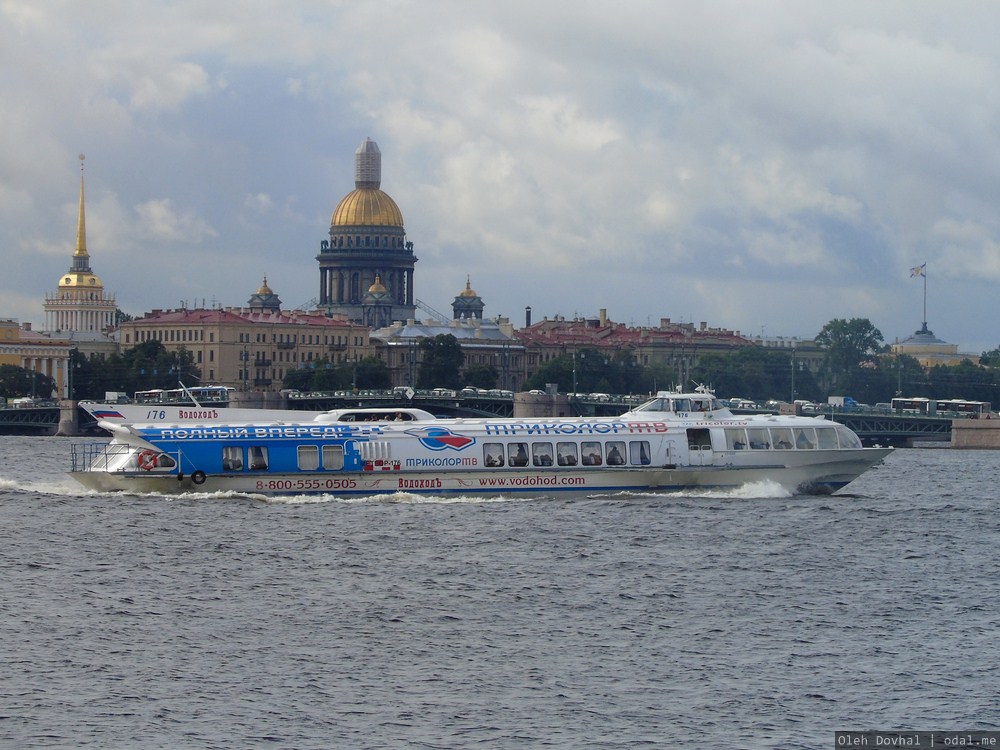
80 305
367 245
264 299
468 304
377 306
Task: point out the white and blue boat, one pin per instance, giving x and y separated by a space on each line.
674 441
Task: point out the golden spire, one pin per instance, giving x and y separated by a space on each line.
468 291
81 226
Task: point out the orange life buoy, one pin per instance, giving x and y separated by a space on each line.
147 460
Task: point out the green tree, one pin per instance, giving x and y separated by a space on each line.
441 360
18 382
371 372
849 343
990 358
481 376
757 373
593 371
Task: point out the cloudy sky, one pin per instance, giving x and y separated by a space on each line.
763 166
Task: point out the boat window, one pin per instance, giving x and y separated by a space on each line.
493 454
638 452
805 438
758 438
656 404
541 454
591 452
517 454
566 454
258 458
736 440
616 453
165 462
333 457
682 404
308 457
826 437
781 438
847 438
232 458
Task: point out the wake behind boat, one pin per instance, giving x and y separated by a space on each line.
674 441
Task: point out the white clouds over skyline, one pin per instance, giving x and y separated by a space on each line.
766 166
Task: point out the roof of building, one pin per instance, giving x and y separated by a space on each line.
466 330
367 205
240 315
606 333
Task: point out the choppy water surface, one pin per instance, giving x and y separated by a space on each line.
749 619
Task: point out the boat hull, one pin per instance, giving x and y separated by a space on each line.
824 473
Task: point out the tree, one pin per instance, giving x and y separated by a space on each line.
481 376
757 373
440 362
371 372
19 382
990 358
848 344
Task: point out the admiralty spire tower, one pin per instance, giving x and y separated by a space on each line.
80 307
367 249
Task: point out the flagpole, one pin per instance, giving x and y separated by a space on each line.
925 296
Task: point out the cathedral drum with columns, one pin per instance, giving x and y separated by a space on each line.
366 267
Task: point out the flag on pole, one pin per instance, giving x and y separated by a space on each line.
918 270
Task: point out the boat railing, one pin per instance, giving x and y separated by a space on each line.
96 456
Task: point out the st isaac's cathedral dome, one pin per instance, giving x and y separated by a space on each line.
367 205
367 250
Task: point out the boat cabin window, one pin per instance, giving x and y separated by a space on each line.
638 452
232 458
805 438
616 453
591 452
781 438
517 454
826 438
333 457
493 454
541 454
655 404
566 454
758 438
258 458
388 415
847 438
308 457
736 440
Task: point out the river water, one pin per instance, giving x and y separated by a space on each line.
748 619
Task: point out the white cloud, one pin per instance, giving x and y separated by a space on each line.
662 160
163 222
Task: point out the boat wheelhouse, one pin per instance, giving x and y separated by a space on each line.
672 442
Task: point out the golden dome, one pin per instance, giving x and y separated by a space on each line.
468 291
369 207
74 280
377 287
265 289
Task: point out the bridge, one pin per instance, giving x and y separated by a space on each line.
882 429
